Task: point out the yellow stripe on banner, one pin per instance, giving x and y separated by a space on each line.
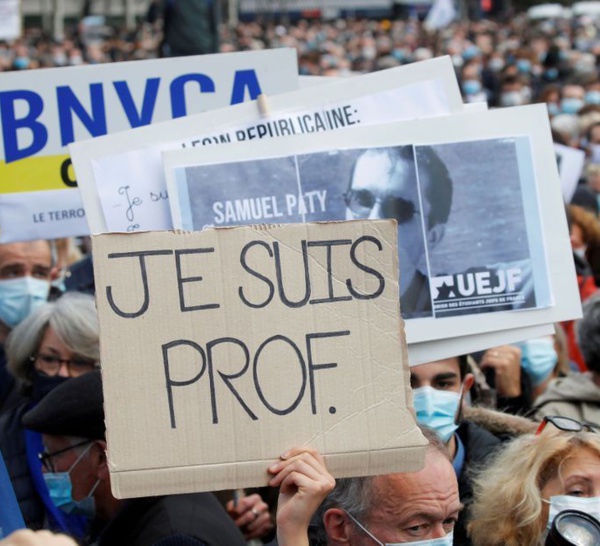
37 174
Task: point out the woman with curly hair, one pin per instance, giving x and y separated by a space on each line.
531 480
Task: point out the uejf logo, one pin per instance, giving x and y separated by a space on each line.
483 288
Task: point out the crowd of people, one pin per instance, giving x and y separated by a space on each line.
512 430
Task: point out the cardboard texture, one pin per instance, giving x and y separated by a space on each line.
224 348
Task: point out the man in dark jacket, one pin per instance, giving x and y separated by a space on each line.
71 420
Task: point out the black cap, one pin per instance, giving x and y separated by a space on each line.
74 408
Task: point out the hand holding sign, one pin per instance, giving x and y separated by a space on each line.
303 483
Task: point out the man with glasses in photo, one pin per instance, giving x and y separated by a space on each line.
384 184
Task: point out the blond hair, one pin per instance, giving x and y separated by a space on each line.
507 506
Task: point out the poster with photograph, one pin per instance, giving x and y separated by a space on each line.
415 186
472 226
121 176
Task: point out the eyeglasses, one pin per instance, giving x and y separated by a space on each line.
361 202
565 424
46 457
50 364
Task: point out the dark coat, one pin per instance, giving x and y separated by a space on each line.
479 444
192 519
14 451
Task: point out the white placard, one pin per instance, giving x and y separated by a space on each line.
570 166
472 271
10 20
41 112
121 178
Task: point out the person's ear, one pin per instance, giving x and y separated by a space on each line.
468 383
337 526
100 460
435 235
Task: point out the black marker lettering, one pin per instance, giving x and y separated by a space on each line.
279 274
227 378
256 274
328 244
142 258
259 390
366 269
312 367
182 280
170 383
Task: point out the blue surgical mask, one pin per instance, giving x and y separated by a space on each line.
471 87
61 491
442 541
437 409
511 98
571 105
524 66
538 359
496 64
592 97
560 503
553 109
21 296
21 63
551 74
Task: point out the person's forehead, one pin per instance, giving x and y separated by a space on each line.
585 463
379 171
54 443
431 369
431 492
573 91
32 253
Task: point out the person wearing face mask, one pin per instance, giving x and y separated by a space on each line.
438 392
532 479
572 99
472 88
54 343
71 421
25 271
585 242
511 92
578 394
375 510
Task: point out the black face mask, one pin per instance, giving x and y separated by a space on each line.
43 384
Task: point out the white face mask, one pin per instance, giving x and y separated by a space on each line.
442 541
560 503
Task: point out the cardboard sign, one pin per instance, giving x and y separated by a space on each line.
42 112
462 271
222 349
121 177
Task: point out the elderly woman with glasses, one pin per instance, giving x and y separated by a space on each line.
57 341
534 478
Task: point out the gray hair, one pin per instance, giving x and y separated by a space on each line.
588 333
73 318
356 496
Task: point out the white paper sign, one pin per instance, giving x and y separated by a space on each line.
570 165
121 178
462 270
41 112
10 19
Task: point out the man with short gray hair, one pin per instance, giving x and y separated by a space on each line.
394 508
